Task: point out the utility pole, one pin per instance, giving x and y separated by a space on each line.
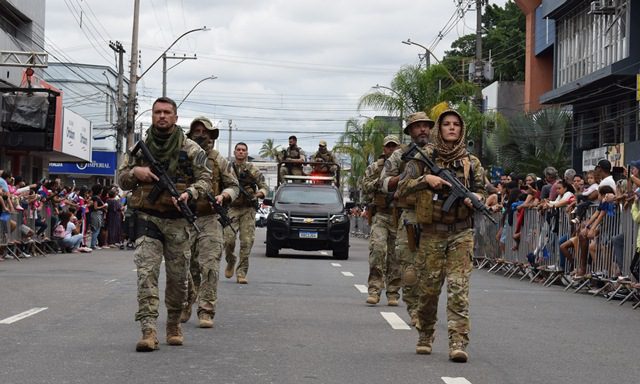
119 49
478 70
164 68
229 150
133 76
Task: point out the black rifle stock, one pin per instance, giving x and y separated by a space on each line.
223 212
458 190
164 183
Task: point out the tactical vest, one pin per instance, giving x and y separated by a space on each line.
291 153
379 198
203 207
182 178
246 182
405 202
459 211
326 157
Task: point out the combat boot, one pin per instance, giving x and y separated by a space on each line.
242 280
228 271
457 353
373 299
174 334
392 301
424 344
148 342
205 320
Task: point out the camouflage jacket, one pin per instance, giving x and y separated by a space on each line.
250 179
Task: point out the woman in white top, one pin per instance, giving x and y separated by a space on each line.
72 239
565 195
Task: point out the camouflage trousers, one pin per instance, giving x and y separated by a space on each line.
296 170
384 270
244 222
206 252
445 255
406 259
148 258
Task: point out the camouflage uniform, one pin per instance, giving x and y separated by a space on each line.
291 169
206 250
383 264
243 214
324 157
394 166
446 251
165 233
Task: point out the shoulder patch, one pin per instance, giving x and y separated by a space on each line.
201 160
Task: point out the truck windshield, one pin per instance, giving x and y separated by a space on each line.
309 196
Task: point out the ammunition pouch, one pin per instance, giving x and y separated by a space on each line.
424 206
407 202
164 203
412 236
380 200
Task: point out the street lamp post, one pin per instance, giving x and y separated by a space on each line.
427 55
133 78
212 77
402 106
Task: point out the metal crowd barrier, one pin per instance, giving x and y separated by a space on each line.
537 254
360 227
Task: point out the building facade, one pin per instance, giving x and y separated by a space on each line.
594 47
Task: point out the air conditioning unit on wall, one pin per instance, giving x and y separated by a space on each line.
603 7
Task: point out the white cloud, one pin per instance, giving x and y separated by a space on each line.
282 65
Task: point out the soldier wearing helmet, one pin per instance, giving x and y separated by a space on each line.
206 249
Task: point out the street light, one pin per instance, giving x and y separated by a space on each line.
212 77
427 55
169 47
402 106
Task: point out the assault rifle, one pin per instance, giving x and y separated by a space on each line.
164 183
223 212
458 190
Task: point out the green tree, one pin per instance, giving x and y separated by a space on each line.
362 143
503 40
269 150
532 142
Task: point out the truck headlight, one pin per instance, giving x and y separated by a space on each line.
338 219
280 216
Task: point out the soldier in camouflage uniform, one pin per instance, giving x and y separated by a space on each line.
446 244
384 269
418 127
323 155
206 250
294 156
243 213
161 229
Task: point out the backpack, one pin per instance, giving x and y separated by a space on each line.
58 231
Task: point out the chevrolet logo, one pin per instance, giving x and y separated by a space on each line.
308 220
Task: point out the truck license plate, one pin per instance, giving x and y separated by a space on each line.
308 235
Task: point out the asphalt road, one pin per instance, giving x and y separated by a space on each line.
301 319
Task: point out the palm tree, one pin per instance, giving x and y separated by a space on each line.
544 145
269 150
362 142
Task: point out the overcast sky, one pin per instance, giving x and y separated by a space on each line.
283 66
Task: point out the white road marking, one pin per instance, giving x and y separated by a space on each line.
134 270
361 288
22 315
394 320
110 281
348 274
455 380
324 253
336 265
